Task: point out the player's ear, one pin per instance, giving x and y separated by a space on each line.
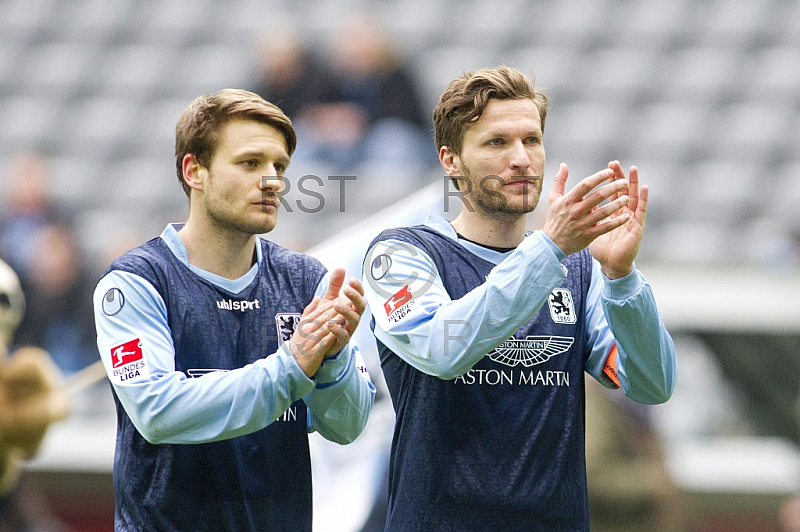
194 173
450 161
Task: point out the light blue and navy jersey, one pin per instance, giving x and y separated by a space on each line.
484 354
213 411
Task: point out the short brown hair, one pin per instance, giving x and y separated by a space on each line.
466 97
198 128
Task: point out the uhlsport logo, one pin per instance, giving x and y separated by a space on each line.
531 350
113 301
380 266
237 305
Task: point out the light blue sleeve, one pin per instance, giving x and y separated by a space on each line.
164 404
599 339
624 311
342 398
416 319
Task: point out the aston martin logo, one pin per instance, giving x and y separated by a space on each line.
530 351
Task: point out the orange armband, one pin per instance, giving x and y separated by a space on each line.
610 366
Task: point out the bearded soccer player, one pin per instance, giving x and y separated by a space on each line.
486 330
223 349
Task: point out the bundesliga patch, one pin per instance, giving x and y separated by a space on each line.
562 309
286 323
127 361
400 300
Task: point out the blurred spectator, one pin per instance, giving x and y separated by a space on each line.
295 77
30 401
357 110
366 108
28 208
630 488
379 86
372 74
789 514
292 76
59 316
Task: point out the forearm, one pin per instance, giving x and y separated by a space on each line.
646 363
340 403
171 408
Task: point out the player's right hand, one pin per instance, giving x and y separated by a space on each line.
575 218
313 337
328 322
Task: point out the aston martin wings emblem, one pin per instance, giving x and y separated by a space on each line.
530 351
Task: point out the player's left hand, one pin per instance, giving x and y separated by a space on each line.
617 249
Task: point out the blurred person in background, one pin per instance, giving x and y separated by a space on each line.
293 76
630 487
299 79
381 92
353 102
58 288
31 399
28 208
789 514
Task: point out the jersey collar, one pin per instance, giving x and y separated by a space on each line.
178 248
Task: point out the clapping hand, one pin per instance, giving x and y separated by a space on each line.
328 322
612 230
617 249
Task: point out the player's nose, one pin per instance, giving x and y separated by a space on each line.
272 183
519 158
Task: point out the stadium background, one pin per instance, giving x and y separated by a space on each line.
704 96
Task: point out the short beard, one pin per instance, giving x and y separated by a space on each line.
493 201
230 221
233 223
